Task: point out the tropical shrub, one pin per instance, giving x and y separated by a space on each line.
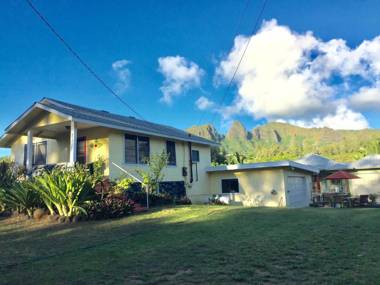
183 201
373 197
123 185
20 197
8 173
111 206
155 199
216 200
64 190
154 173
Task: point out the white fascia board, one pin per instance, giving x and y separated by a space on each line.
261 165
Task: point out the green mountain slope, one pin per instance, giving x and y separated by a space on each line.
277 141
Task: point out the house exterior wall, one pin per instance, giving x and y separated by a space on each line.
369 182
255 186
195 191
49 119
53 150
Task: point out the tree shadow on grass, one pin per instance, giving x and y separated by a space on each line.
198 244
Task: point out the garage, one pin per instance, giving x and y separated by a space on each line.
297 192
263 184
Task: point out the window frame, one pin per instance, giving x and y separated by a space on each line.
229 180
192 155
172 162
82 140
137 150
34 153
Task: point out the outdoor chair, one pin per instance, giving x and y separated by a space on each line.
363 201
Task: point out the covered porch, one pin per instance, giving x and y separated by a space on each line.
40 138
333 189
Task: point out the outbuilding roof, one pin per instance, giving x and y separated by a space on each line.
263 165
370 161
110 120
321 162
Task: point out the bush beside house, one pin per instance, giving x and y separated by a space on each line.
68 194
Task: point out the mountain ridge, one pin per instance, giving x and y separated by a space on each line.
277 140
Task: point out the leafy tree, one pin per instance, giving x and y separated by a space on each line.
154 174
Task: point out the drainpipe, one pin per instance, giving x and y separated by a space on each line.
190 163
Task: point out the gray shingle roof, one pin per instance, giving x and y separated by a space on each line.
370 161
321 162
107 119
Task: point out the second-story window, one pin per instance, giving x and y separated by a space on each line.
136 149
170 150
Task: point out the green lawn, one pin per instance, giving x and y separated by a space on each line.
197 244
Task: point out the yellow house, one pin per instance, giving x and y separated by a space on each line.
55 132
52 132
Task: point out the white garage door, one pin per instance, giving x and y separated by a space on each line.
296 192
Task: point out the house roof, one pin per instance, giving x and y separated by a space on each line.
106 119
263 165
321 162
370 161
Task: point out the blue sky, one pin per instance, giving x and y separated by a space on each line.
197 36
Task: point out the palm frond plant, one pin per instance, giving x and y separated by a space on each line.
20 197
64 191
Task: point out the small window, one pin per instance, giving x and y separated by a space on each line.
230 186
170 150
137 149
195 155
39 153
130 149
143 147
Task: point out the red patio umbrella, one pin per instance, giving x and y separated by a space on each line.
341 175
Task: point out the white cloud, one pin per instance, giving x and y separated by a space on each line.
343 119
367 98
180 76
298 77
203 103
123 75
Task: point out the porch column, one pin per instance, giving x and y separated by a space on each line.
73 143
29 152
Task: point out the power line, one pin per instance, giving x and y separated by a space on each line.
242 56
79 58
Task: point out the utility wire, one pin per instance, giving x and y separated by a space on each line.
242 56
80 59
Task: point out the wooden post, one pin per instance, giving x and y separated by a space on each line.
29 152
73 143
147 197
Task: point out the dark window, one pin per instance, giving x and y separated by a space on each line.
170 150
143 147
81 150
136 149
39 153
40 150
130 149
195 155
230 186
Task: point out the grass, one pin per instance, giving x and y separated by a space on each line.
197 244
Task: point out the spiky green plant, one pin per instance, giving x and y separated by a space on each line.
64 190
20 197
